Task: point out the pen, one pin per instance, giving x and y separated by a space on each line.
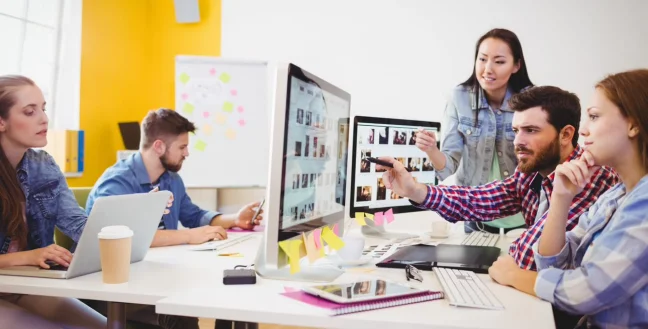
378 161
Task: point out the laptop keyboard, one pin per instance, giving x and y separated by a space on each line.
483 239
464 288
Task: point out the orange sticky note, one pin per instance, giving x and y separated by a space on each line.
332 239
360 218
389 216
311 251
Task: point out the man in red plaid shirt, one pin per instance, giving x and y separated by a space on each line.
545 123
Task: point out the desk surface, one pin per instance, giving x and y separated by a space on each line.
189 283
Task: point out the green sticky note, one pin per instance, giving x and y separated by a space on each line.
200 146
184 78
228 107
225 77
188 108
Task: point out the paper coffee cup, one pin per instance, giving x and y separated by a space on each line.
115 253
440 229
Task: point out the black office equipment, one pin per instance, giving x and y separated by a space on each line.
470 258
130 133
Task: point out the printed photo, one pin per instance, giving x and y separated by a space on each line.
365 166
412 140
383 135
296 181
300 116
293 212
427 165
394 196
381 191
322 151
317 123
305 181
314 147
381 287
363 193
302 214
366 135
298 147
308 118
361 288
307 149
403 161
312 180
399 137
413 164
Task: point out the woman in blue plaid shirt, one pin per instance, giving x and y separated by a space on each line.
600 268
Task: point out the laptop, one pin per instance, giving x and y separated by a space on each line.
141 212
461 257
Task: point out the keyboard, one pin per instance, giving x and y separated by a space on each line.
231 240
464 288
483 239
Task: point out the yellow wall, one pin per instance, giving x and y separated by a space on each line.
127 67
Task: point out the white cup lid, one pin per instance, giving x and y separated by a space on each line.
115 232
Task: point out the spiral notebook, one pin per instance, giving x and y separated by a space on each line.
339 309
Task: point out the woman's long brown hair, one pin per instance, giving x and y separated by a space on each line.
12 197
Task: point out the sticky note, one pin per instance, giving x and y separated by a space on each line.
379 219
292 250
240 109
205 114
200 146
311 251
360 218
317 237
188 108
230 134
207 129
212 71
370 216
389 216
332 239
233 92
336 229
220 119
184 96
241 122
224 77
184 78
228 107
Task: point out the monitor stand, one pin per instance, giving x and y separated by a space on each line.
308 273
371 230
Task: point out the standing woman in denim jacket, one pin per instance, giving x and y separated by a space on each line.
34 198
477 134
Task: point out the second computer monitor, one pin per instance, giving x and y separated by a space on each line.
384 137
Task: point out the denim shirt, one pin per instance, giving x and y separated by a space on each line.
49 202
476 144
129 176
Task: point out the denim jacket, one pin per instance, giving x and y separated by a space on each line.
475 144
49 202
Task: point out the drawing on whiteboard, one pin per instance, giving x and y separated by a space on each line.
205 102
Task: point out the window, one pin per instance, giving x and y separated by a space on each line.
33 42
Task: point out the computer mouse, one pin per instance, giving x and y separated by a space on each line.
515 233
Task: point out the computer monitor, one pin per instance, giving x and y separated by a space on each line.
307 177
386 137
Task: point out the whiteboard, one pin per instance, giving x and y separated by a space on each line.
227 100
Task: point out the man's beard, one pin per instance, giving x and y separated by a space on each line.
172 167
545 159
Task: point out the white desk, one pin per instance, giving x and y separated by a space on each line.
262 302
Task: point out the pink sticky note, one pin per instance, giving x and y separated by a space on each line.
212 71
378 218
317 235
184 96
240 109
241 122
389 216
233 92
336 229
206 114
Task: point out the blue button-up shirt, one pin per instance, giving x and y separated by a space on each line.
470 146
602 271
49 202
130 176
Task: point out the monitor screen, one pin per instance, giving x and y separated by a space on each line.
315 153
382 137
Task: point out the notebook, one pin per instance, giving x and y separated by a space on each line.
339 309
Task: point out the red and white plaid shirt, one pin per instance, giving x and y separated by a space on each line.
519 192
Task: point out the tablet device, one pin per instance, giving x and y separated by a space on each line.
360 291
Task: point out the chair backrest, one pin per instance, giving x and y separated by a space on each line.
81 195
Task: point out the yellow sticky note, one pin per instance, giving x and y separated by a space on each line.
200 146
184 77
370 216
331 239
220 119
293 249
188 108
311 249
228 107
224 77
360 218
230 134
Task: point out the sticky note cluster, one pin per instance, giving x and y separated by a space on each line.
312 245
378 218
